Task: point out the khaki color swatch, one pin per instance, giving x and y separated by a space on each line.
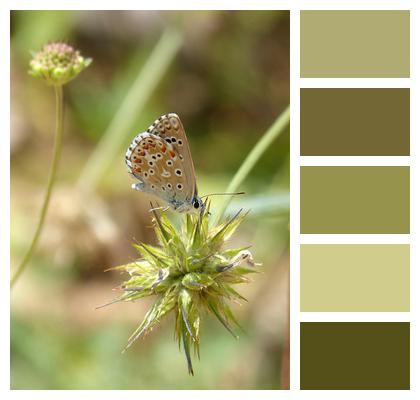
355 122
355 355
355 44
355 277
355 200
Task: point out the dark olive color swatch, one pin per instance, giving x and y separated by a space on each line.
354 355
355 122
355 200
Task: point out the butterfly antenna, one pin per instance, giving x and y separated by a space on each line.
222 194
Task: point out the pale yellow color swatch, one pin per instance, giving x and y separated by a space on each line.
354 278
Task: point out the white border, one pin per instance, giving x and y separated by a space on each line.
414 197
294 6
355 317
294 199
5 205
354 161
354 239
354 83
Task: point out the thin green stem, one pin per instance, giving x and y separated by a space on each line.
263 144
51 178
133 104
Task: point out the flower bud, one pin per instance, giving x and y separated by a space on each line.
57 63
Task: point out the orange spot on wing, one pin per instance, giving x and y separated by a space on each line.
138 170
172 153
146 147
164 149
142 153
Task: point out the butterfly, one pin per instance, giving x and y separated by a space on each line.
160 159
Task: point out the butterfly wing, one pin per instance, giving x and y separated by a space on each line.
169 127
156 164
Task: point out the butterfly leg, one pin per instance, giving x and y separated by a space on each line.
164 209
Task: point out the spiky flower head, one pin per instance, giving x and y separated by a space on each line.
190 273
57 63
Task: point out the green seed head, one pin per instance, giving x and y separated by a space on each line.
189 273
57 63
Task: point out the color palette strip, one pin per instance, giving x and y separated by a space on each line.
355 200
355 122
345 122
355 355
355 44
355 278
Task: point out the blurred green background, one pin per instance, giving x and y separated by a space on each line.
227 75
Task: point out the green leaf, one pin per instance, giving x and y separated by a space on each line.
161 232
233 294
229 253
196 281
214 308
223 233
186 344
162 306
152 254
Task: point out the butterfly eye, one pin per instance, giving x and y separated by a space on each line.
196 204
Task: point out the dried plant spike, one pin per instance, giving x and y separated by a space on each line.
190 273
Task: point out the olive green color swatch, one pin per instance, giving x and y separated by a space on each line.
355 278
347 200
355 355
355 122
355 44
